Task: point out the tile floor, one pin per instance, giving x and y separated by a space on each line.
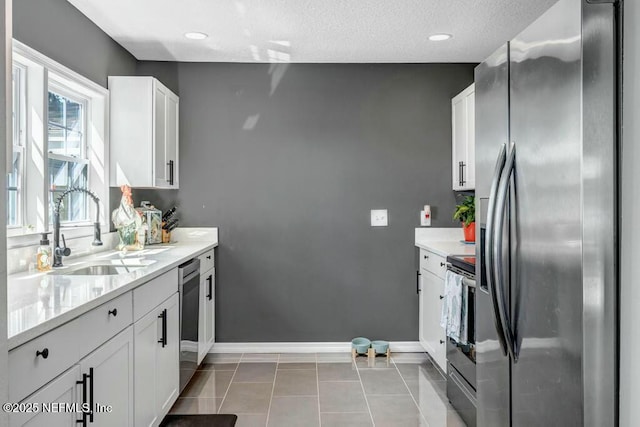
325 389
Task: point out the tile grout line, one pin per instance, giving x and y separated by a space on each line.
229 386
366 400
410 394
318 388
273 387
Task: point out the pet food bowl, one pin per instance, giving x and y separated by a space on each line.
361 345
380 347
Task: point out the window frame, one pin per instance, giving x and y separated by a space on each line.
57 88
43 73
18 141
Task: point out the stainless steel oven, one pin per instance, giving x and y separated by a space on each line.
189 291
461 358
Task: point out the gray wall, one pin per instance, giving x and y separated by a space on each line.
58 30
287 161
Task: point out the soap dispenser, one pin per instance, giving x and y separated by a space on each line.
43 257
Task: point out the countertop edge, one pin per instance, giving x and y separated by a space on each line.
436 247
66 317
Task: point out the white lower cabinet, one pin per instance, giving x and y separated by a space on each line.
156 361
63 390
111 381
206 331
432 336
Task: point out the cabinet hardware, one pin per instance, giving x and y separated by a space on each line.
442 264
441 296
210 280
44 353
441 342
163 339
460 172
113 312
462 180
208 256
418 282
90 378
426 257
170 164
83 421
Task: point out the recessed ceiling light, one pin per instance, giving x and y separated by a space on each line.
196 36
439 37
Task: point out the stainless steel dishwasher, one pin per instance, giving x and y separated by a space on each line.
189 290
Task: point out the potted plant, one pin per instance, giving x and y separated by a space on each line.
466 213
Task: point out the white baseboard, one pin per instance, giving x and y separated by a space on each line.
305 347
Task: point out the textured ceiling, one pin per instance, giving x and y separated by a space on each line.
312 31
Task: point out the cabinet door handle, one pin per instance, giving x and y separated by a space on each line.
44 353
83 421
163 339
442 264
170 164
113 312
441 296
462 180
441 342
90 377
208 256
418 282
426 257
460 173
210 280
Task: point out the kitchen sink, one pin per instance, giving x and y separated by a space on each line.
97 270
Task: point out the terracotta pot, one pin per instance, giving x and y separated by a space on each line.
469 232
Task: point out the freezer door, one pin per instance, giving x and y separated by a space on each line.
547 294
492 132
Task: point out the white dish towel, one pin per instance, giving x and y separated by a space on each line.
454 308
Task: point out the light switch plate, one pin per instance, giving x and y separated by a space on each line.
379 218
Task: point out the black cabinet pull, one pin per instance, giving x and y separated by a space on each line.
418 282
208 256
460 173
426 257
163 339
441 296
90 377
113 312
210 280
441 342
83 421
462 180
44 353
442 264
170 164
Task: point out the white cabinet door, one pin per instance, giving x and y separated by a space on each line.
111 367
463 139
62 390
210 304
168 359
206 312
161 166
171 138
156 363
432 335
146 337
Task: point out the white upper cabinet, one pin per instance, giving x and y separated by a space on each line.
463 139
144 133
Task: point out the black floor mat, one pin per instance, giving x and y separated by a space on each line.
210 420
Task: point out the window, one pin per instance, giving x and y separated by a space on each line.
15 176
60 142
68 163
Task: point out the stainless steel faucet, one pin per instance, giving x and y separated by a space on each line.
60 251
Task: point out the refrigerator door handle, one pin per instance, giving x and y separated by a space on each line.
498 229
488 248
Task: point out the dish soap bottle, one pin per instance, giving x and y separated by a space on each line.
43 257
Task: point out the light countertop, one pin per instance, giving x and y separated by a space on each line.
40 302
446 248
443 241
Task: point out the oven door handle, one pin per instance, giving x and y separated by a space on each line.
498 267
488 248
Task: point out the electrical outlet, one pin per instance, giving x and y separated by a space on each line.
379 218
425 216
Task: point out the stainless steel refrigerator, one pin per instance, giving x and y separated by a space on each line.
546 197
